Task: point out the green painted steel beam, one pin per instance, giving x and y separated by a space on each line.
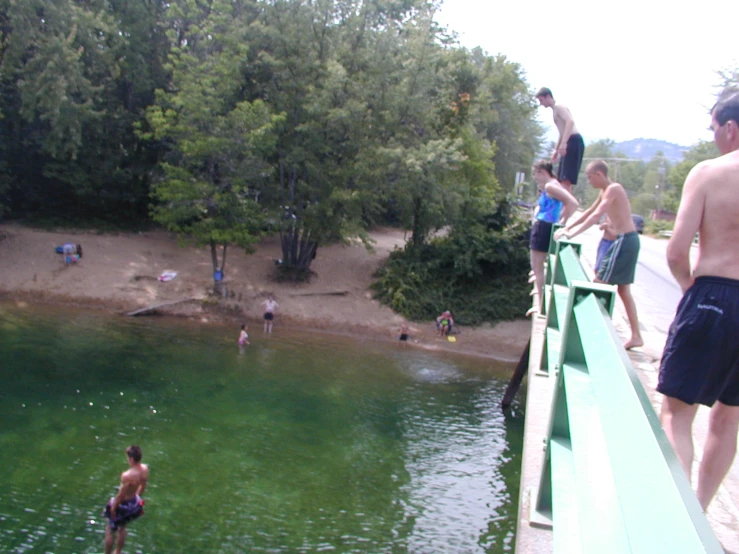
659 507
565 510
597 498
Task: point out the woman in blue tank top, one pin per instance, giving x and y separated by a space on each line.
555 205
549 208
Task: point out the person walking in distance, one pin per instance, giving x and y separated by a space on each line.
700 362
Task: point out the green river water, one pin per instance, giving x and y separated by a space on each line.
303 443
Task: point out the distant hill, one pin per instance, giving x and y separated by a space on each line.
645 149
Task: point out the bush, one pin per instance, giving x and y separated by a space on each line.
654 227
478 272
643 204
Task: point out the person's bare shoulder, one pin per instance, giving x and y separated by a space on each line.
719 166
705 172
135 474
614 190
562 110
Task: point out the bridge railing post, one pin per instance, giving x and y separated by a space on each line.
571 351
548 269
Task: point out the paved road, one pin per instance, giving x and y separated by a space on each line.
655 291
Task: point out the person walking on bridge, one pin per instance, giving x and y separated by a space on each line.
700 362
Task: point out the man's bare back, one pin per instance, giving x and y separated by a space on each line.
133 482
711 207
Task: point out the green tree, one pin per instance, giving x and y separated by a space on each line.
600 149
703 150
729 77
217 144
68 145
294 65
504 115
365 89
422 160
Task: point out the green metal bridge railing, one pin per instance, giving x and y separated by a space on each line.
611 482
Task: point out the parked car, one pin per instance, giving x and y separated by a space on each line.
638 223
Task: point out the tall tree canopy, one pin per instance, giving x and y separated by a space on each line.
224 119
216 142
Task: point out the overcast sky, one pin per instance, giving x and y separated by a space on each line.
633 69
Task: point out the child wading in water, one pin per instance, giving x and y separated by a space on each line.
243 337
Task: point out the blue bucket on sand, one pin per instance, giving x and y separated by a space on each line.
218 275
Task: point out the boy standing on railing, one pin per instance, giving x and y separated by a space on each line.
570 146
700 363
619 264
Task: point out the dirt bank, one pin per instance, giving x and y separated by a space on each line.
119 273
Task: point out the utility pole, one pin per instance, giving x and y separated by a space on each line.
660 186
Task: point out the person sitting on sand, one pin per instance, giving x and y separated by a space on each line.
444 323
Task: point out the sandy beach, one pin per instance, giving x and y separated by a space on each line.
119 274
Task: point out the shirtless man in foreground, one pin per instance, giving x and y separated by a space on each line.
570 146
127 505
619 264
700 363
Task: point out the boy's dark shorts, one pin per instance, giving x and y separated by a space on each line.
700 363
569 166
618 266
541 235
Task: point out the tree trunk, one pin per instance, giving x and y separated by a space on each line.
418 234
298 250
